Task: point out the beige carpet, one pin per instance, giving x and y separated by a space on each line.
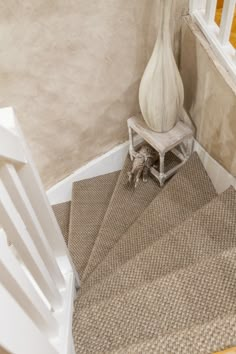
124 208
126 205
167 210
178 301
62 213
209 231
90 199
211 337
162 264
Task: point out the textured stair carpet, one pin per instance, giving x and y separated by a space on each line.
166 211
62 213
162 264
125 207
211 230
90 199
178 301
212 337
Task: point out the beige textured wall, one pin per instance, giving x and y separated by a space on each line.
210 97
71 69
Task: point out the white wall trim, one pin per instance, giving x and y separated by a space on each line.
219 176
109 162
113 161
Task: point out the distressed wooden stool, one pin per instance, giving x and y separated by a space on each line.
178 140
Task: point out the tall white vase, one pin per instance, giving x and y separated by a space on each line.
161 93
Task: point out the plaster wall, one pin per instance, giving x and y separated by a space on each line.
71 69
210 96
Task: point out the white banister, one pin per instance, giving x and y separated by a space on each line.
19 236
226 21
39 201
10 147
18 334
32 183
16 281
19 197
37 275
203 12
210 11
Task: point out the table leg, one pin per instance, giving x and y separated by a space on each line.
189 147
162 169
131 144
184 148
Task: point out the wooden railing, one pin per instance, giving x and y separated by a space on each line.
37 277
204 12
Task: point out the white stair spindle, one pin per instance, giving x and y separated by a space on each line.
12 182
226 21
19 236
11 147
18 334
31 181
210 11
16 281
37 275
32 184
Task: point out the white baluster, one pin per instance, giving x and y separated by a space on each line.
210 11
11 147
19 197
226 21
18 334
19 236
17 283
45 281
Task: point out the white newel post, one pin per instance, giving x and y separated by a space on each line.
37 275
161 90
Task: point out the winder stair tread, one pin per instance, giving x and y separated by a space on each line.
209 231
124 208
90 199
62 213
193 296
188 191
212 337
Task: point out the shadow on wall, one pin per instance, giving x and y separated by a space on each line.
210 97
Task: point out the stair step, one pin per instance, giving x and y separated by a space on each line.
90 199
126 205
209 231
176 302
62 213
188 191
205 339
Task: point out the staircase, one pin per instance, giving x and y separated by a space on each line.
157 265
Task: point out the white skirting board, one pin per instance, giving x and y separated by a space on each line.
113 161
220 178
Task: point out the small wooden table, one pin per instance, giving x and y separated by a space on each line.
178 140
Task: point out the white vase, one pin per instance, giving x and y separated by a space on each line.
161 93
